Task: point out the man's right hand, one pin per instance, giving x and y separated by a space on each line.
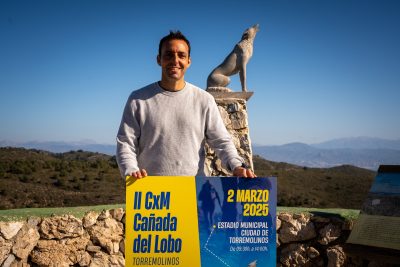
139 174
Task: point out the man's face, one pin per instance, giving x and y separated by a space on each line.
174 60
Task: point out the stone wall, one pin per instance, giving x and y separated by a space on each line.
98 240
304 240
234 114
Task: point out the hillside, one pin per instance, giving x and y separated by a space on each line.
337 187
36 178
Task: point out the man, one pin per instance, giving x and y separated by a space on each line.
165 124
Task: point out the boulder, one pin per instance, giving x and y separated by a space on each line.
300 255
336 256
70 251
295 255
25 241
90 219
9 260
104 215
293 230
10 229
107 233
5 248
329 233
59 227
117 214
34 221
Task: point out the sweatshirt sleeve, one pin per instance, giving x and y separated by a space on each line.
127 140
219 138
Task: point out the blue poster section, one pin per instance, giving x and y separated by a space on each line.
237 221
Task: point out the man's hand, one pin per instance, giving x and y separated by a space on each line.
243 172
139 174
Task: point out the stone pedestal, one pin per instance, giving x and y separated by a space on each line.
233 109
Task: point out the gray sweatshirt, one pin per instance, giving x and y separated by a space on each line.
164 132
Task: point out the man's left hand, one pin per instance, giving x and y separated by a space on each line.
243 172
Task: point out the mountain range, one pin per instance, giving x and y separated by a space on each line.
363 152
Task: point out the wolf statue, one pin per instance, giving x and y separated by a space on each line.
235 62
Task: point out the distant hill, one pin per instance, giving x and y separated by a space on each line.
37 178
363 152
366 153
61 147
361 142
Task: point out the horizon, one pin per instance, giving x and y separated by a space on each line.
93 142
320 70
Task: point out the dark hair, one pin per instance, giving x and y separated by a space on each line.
173 36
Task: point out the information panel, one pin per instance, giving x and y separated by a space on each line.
379 219
200 221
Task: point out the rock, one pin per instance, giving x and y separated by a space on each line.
59 227
336 256
239 120
122 246
117 214
51 253
218 165
34 221
284 216
225 117
83 258
10 229
235 140
232 107
101 259
117 260
19 263
69 251
329 233
295 255
25 241
278 224
312 252
104 215
5 248
293 230
93 248
7 263
78 243
90 219
107 233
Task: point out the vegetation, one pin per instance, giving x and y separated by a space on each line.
338 187
39 179
79 212
35 178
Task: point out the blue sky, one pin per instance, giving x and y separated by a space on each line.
320 69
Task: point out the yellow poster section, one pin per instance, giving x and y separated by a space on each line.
181 203
376 231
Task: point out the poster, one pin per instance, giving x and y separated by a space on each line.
379 219
200 221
